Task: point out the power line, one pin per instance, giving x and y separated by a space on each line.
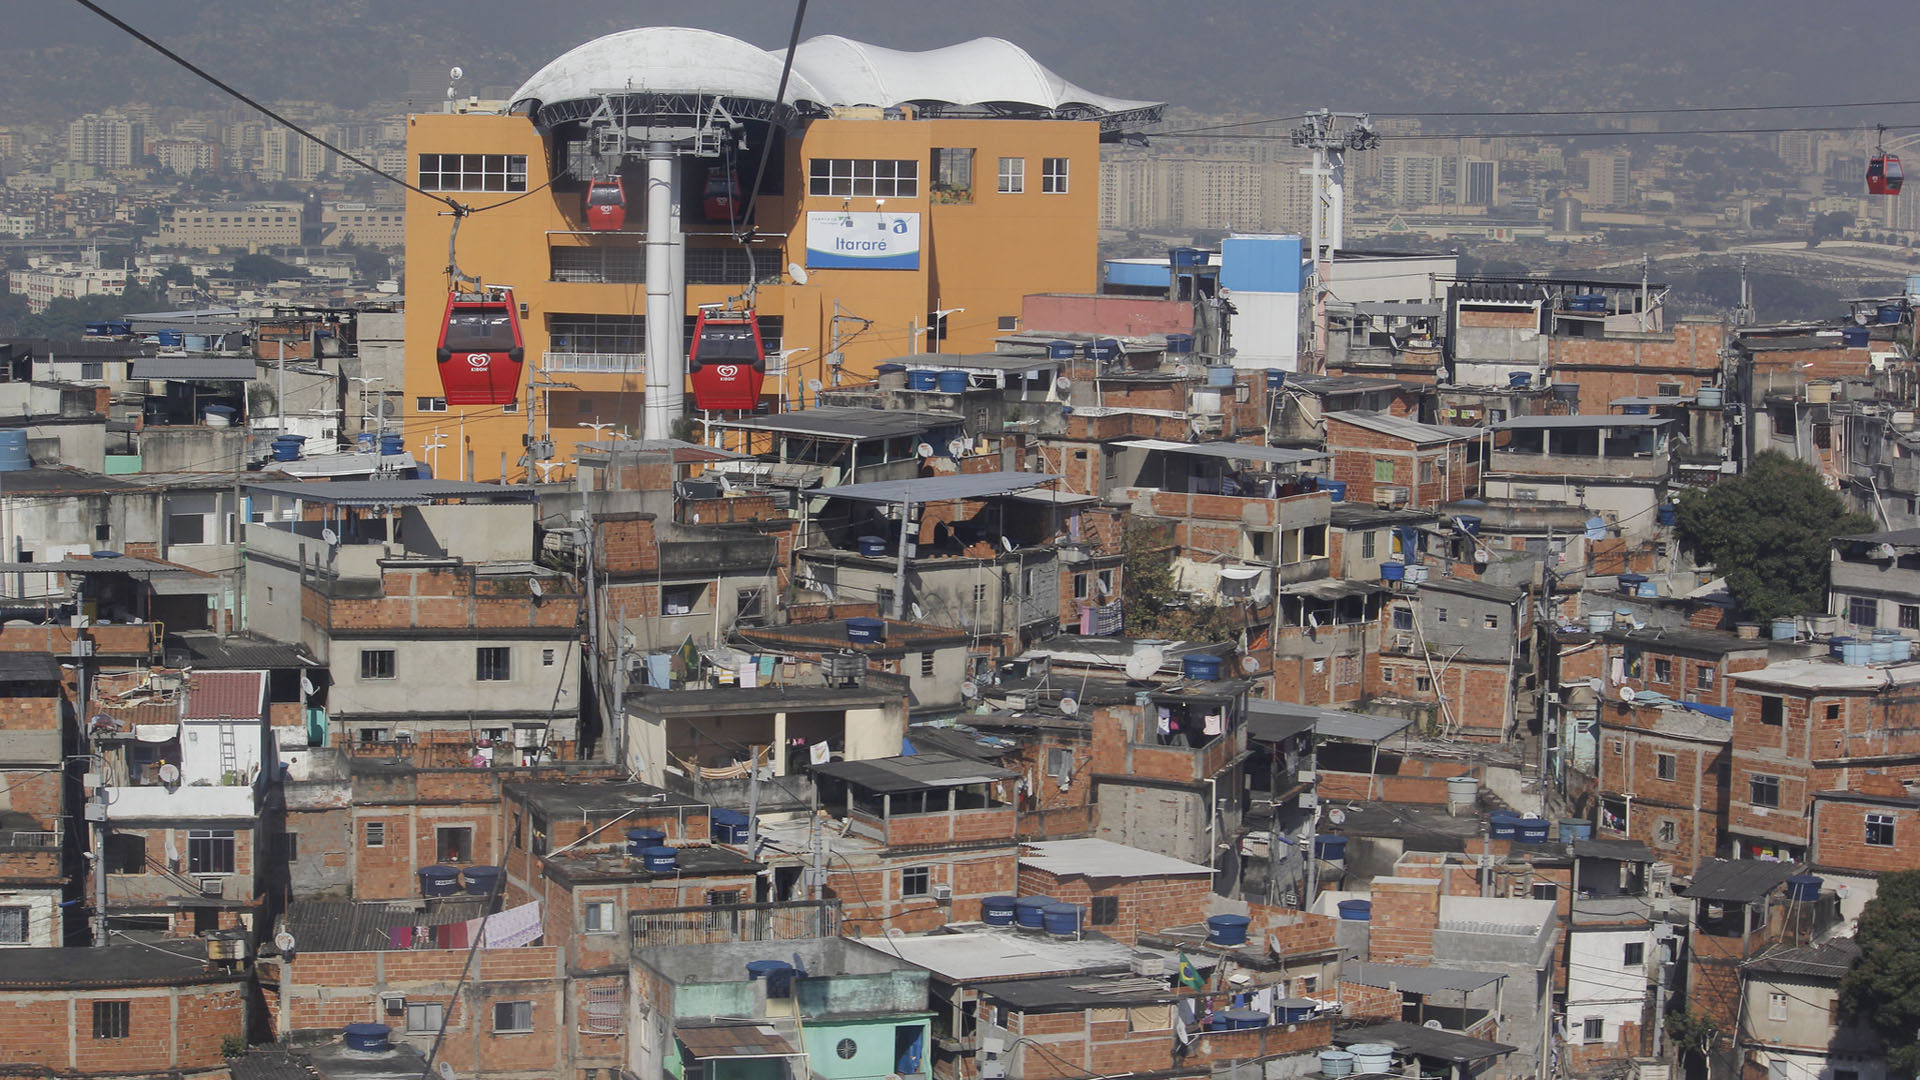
779 98
1438 135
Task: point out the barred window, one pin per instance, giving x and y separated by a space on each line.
473 172
864 177
597 333
112 1019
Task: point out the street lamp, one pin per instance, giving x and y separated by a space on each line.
937 322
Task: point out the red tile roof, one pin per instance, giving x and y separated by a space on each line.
226 695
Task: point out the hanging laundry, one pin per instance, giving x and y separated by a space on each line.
513 927
454 935
1213 724
819 753
400 937
1166 721
1263 1001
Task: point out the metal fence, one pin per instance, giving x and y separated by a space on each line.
723 264
715 923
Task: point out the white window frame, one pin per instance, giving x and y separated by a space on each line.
597 917
473 172
1055 175
517 1006
864 178
433 1015
1013 176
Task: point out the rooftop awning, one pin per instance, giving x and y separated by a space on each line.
914 772
1415 980
393 492
735 1041
1272 455
1530 423
196 368
932 489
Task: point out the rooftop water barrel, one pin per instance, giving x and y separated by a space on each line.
1666 514
1786 629
1335 1063
1599 622
1503 824
1836 646
1103 349
1630 583
392 444
1902 650
1416 572
891 376
997 911
1531 830
1371 1057
1855 337
872 547
1574 828
1204 667
922 379
1030 911
866 631
1061 350
1335 489
952 382
1462 793
288 447
1220 375
1882 650
1186 256
1061 920
1356 910
1804 888
1856 652
661 860
368 1038
218 415
482 880
1276 378
439 881
1392 571
1647 588
1468 524
778 973
1889 314
1245 1019
1180 344
1294 1010
1330 846
169 339
198 342
1227 930
639 840
363 442
1707 397
13 450
1519 380
727 826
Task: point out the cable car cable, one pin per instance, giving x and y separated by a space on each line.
1667 111
1552 134
779 98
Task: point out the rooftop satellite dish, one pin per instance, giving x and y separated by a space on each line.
332 538
918 612
1249 664
813 385
959 447
969 690
1145 663
1069 706
1626 694
306 685
284 941
455 73
1884 551
1432 1025
925 450
1182 370
169 774
533 586
1007 542
1859 318
797 272
1337 816
1063 384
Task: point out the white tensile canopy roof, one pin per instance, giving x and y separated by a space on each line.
827 71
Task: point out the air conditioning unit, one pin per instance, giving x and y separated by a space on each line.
526 738
393 1004
943 894
212 886
1390 495
403 736
1151 967
1403 642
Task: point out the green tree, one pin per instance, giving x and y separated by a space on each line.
1883 989
1770 533
264 268
1692 1034
1154 605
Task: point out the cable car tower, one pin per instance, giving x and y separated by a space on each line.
1330 135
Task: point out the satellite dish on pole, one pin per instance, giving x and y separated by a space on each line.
1626 694
533 586
959 447
1145 664
284 942
925 450
447 1073
332 538
969 690
1068 706
1063 384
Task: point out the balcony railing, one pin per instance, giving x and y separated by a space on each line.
582 361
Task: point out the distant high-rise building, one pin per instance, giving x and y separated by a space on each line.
108 139
1609 177
1799 149
1479 182
1410 179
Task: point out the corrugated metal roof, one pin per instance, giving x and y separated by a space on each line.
1521 423
914 772
1273 455
848 423
1399 427
1829 961
1414 980
344 926
1093 857
196 368
225 695
28 667
931 489
1425 1041
1739 881
734 1041
394 492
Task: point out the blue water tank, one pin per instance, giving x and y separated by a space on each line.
997 910
1468 524
889 369
1203 667
1889 314
439 881
1330 846
1804 888
1393 571
777 973
923 379
1837 645
952 382
661 860
1574 828
363 442
1519 380
1061 920
639 840
1245 1019
392 444
482 880
170 338
1855 337
1666 514
1102 350
1030 911
1531 830
1276 378
1180 344
727 826
1294 1010
1786 629
13 450
1638 410
872 547
1061 350
1356 910
866 631
1336 489
288 447
1183 257
1503 824
1629 583
1228 930
368 1038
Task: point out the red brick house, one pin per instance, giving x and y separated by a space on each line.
1391 460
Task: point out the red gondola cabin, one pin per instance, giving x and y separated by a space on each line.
480 350
1884 176
727 365
606 204
721 199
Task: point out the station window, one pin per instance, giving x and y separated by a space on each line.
1013 175
1053 176
883 178
473 172
953 175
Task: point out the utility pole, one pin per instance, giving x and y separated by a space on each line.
280 395
1329 139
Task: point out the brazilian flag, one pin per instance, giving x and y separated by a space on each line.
1190 975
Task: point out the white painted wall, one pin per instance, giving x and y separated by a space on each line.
1266 330
1599 982
43 919
200 750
